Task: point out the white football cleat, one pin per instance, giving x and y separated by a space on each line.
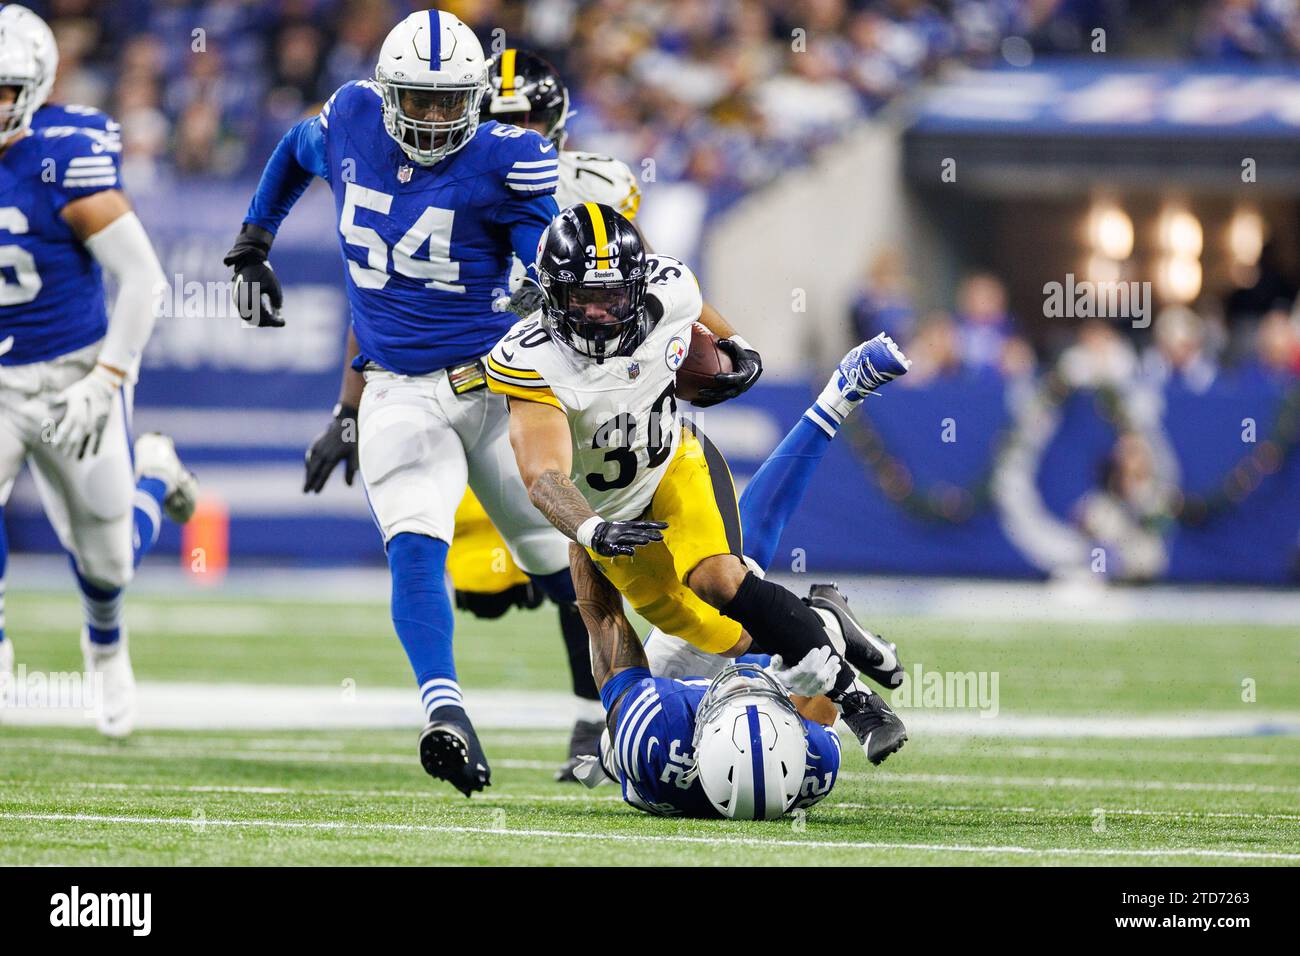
155 457
6 672
115 698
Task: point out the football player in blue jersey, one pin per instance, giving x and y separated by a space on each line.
432 204
734 746
67 367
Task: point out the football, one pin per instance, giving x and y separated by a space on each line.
704 361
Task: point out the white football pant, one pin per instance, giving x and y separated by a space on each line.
419 445
89 502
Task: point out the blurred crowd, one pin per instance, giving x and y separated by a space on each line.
1253 331
1250 31
722 93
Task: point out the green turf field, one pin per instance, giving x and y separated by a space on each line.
359 796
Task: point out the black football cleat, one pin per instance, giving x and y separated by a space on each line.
449 750
877 727
870 654
583 742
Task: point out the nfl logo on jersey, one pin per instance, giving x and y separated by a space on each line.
404 174
633 370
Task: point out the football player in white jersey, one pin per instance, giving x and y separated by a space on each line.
67 364
607 458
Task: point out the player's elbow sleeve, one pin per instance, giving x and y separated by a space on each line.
123 250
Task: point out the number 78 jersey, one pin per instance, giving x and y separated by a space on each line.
622 413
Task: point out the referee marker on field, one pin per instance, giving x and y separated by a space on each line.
347 827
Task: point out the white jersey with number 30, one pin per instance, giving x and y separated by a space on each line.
622 412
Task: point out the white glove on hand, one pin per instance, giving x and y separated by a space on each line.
814 674
87 404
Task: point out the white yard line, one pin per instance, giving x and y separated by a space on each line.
198 824
183 705
884 778
456 801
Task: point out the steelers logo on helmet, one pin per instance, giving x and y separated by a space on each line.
592 269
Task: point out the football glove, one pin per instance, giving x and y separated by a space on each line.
621 538
337 443
527 299
87 404
727 385
256 290
814 674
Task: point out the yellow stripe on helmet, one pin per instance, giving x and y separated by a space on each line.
508 72
598 232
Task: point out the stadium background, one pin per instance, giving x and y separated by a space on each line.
835 168
798 153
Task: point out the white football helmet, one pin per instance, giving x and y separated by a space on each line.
29 26
433 75
750 745
18 71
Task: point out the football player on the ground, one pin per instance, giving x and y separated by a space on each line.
432 204
673 745
605 455
66 366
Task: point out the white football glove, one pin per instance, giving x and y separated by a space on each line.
814 674
87 404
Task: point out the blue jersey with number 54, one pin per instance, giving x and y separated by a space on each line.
426 250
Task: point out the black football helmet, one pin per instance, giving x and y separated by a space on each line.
591 265
524 87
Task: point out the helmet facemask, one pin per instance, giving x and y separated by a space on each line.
16 113
598 320
735 681
430 122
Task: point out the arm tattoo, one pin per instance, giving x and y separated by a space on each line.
615 646
556 496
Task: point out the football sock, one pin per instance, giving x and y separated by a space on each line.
422 616
147 514
832 406
778 486
578 646
779 623
102 608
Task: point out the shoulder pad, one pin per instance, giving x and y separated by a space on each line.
356 94
85 160
529 162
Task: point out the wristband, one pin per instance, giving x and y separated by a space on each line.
587 530
742 343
